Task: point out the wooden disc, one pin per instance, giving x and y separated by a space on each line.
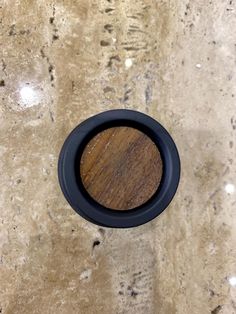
121 168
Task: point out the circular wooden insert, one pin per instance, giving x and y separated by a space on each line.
121 168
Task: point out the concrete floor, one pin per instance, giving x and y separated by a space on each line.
63 61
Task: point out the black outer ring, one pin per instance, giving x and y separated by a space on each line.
77 196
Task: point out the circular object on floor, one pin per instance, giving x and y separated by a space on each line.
119 168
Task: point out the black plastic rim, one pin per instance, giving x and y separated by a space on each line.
78 197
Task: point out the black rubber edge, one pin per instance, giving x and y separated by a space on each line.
69 172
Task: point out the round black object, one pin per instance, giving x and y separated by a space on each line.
78 197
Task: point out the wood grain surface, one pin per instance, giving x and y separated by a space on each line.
121 168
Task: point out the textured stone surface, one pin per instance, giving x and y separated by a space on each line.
62 61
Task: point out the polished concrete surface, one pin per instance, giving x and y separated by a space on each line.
63 61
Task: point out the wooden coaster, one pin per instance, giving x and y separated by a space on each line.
121 168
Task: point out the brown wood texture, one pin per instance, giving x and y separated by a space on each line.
121 168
